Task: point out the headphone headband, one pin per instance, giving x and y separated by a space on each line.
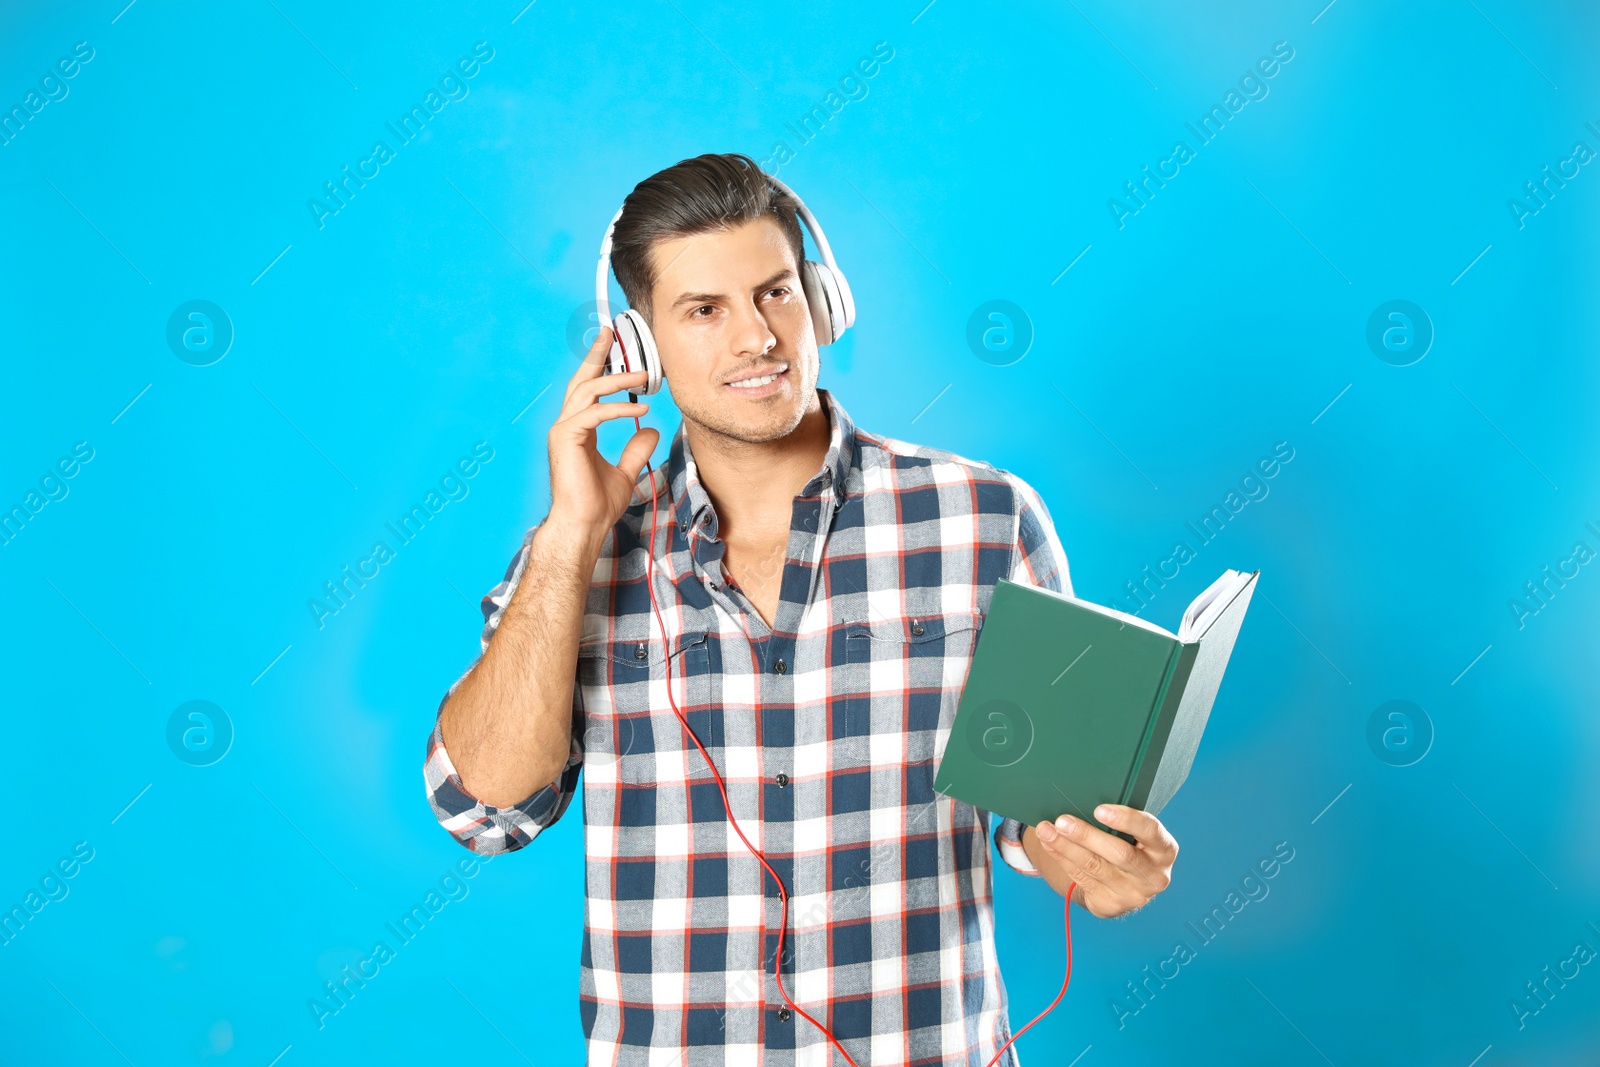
601 295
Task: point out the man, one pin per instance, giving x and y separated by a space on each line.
823 588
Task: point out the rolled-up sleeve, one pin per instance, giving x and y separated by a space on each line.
1037 560
485 828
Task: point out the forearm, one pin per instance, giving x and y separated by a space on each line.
508 725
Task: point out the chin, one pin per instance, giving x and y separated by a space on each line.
763 422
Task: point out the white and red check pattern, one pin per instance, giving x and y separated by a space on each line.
827 727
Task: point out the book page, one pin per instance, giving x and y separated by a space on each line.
1122 616
1205 608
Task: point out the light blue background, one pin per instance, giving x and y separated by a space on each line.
1228 315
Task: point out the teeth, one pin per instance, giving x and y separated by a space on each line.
755 383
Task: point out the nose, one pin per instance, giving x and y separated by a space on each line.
751 335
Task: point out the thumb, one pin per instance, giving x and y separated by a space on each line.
639 448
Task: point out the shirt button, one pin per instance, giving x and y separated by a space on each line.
641 653
782 779
779 667
783 1015
916 629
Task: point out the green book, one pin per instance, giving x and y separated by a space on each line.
1069 704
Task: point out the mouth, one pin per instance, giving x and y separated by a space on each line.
763 384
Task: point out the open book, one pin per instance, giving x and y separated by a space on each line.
1070 704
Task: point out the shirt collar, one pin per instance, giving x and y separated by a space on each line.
839 471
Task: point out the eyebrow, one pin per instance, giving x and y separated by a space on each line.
708 298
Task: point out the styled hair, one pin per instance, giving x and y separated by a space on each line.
699 195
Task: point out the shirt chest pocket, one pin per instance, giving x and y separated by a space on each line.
902 678
629 731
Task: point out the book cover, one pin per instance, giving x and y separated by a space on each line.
1068 705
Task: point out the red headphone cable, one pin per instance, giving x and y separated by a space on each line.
783 894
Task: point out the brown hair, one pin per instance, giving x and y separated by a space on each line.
699 195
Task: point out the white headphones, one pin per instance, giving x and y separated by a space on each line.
833 308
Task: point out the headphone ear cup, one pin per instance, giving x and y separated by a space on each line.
638 348
827 301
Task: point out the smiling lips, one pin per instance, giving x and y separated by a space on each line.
760 383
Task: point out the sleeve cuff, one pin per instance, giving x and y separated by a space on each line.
1008 839
485 828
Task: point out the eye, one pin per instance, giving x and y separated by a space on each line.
781 290
703 307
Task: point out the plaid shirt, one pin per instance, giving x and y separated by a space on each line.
827 727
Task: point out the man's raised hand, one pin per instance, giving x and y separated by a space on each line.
587 491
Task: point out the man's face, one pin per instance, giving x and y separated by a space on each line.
728 306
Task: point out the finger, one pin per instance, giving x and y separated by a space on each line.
593 363
1107 845
586 419
638 449
1144 827
1111 850
589 391
594 360
1092 871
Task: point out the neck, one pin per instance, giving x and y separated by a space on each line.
753 484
